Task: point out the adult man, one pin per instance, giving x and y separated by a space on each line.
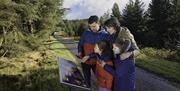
86 45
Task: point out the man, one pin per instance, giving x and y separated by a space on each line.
86 45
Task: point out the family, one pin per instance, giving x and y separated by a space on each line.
109 52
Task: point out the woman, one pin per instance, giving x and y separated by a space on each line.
116 32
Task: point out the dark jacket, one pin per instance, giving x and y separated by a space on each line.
87 42
123 74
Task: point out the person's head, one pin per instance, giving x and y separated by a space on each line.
112 25
102 47
93 22
118 46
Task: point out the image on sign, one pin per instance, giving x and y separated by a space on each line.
71 75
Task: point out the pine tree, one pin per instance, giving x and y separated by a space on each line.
116 11
133 19
158 23
27 23
104 17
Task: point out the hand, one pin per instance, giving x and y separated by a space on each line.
84 59
125 55
103 63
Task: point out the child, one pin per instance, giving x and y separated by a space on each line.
124 72
103 54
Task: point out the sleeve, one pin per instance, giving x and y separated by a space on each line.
81 42
131 37
109 69
106 37
92 55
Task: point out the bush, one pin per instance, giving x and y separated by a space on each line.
176 54
13 50
159 53
162 53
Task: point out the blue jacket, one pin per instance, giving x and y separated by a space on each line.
90 37
87 42
123 74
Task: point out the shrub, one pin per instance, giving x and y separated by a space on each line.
162 53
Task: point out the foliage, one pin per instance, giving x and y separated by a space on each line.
24 24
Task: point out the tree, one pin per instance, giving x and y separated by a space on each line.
133 18
75 27
83 25
116 11
172 36
25 24
158 24
104 17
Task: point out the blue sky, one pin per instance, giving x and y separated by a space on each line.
80 9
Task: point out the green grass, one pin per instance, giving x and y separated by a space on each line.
167 69
34 73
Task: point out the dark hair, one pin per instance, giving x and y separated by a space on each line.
104 46
112 22
123 22
123 44
93 19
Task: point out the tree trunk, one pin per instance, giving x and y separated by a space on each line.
30 27
4 35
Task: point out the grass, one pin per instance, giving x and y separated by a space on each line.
166 69
34 72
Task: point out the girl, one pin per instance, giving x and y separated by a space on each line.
103 53
124 72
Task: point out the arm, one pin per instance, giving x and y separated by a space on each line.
105 36
109 69
81 42
135 48
90 56
134 44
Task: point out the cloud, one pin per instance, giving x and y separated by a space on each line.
84 8
95 7
70 3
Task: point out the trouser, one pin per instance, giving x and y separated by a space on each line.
87 72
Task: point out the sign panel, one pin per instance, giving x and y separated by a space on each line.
71 74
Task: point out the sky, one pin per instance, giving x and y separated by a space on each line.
81 9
